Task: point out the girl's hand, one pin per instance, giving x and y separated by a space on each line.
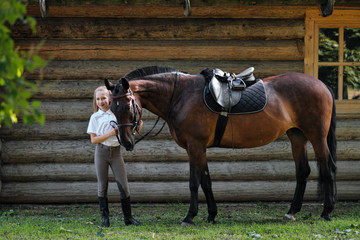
114 132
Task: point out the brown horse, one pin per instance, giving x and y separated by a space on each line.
297 104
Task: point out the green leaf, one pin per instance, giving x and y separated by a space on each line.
36 104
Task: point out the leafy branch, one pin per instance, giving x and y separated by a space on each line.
15 90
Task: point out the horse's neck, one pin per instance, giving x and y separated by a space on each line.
154 95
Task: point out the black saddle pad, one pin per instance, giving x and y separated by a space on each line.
253 99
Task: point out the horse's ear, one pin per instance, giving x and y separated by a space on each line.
125 84
109 85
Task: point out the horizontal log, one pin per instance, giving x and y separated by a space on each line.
348 107
81 151
76 192
66 89
51 130
180 3
72 130
346 129
162 29
114 70
172 11
74 109
282 50
170 172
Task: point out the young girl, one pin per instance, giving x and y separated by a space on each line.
107 153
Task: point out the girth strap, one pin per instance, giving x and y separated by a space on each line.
220 128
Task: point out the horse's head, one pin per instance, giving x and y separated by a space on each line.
127 112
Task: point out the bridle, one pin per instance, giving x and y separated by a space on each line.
136 124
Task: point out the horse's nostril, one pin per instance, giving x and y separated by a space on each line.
128 146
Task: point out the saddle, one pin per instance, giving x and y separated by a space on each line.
226 88
232 94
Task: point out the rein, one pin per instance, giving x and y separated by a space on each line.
137 124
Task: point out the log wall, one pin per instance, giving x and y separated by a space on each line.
54 163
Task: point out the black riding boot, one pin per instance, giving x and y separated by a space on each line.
104 210
126 207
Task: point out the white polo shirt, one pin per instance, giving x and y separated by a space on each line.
100 124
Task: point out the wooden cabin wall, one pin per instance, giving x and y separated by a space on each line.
54 163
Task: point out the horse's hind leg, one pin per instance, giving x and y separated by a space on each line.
327 171
298 144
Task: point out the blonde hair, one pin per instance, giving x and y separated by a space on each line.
99 89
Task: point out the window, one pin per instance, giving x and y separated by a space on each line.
333 55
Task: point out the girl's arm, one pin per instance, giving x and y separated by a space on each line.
98 139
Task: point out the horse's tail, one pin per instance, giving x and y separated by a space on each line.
331 138
332 144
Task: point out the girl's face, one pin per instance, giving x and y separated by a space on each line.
103 100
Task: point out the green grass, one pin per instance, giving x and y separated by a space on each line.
163 221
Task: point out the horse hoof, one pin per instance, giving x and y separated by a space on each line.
211 222
211 219
186 224
290 217
326 217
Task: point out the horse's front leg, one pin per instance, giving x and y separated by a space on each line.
194 187
210 200
199 174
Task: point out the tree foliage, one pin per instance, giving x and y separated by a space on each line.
15 90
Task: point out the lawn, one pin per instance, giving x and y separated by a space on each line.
261 220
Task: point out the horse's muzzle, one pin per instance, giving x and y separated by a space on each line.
129 147
129 144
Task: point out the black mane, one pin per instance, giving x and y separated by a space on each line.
146 71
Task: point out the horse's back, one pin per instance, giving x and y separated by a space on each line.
294 79
298 86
